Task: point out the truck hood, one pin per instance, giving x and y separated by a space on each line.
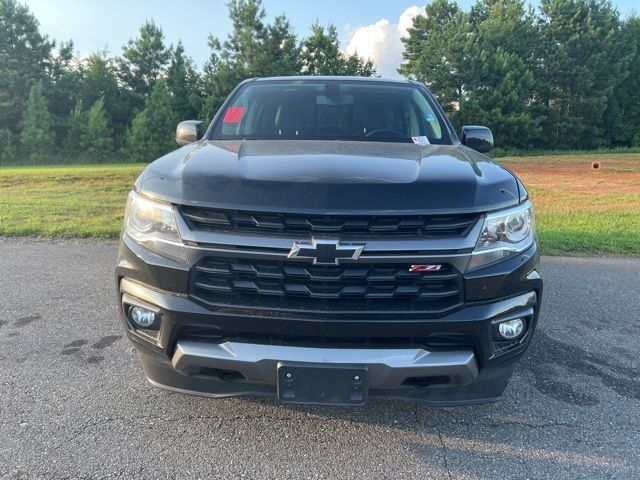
330 177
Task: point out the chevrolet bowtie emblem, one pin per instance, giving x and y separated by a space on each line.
325 252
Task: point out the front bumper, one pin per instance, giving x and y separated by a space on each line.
475 372
388 371
258 365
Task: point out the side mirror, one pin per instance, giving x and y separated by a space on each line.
478 138
188 132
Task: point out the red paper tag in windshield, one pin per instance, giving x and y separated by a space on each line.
233 115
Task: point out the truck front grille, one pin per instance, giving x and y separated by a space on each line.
292 285
425 226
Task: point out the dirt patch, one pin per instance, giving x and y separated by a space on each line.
573 184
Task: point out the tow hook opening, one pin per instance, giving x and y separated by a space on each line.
220 374
424 382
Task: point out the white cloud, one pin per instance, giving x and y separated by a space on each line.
406 19
381 43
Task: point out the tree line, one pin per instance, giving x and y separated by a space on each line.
55 106
564 76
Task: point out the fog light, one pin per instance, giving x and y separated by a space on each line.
511 329
142 317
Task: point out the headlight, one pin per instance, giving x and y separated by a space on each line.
152 224
504 233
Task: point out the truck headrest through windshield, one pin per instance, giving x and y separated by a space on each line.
289 120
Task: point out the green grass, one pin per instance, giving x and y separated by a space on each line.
65 201
582 210
579 210
587 234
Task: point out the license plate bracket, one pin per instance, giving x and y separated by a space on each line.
322 384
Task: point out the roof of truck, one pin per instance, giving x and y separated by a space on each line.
337 77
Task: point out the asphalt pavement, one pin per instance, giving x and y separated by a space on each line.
74 402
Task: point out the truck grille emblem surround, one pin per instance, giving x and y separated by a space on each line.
325 252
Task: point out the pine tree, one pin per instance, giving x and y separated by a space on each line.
321 55
500 84
8 146
480 65
580 49
100 81
436 52
622 124
24 58
281 49
357 66
153 129
321 51
498 98
36 138
63 87
96 140
184 86
143 62
76 123
252 49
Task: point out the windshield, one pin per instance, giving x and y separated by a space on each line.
331 110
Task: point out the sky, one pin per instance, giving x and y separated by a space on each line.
371 27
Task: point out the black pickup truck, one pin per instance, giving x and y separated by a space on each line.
330 240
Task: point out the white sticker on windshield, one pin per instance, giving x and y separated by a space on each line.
420 140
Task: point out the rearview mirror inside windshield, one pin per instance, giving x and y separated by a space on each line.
338 100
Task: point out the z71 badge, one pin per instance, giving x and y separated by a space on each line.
425 268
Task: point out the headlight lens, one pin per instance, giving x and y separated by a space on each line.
152 224
504 233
